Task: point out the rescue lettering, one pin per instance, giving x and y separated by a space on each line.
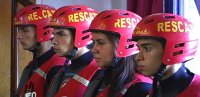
81 16
44 14
126 22
139 31
173 26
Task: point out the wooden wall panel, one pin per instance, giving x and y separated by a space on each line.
24 58
5 48
5 22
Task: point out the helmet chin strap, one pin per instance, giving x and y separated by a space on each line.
36 50
115 62
157 77
72 53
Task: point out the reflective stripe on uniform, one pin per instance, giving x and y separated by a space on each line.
81 80
123 91
41 73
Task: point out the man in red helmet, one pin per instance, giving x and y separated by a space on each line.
71 39
34 35
166 42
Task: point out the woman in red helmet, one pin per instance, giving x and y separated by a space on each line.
34 35
113 51
71 40
166 42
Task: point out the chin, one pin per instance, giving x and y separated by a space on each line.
145 73
59 54
100 65
27 48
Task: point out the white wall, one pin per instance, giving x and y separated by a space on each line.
191 13
96 4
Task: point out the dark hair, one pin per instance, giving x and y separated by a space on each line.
162 41
159 39
120 74
71 29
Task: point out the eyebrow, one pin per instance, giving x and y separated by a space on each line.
145 44
21 27
59 32
98 40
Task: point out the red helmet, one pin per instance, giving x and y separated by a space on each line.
77 17
178 33
119 22
39 16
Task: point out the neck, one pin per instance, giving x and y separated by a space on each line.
45 46
80 52
171 69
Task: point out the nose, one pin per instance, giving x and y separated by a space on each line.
19 35
95 49
54 41
139 56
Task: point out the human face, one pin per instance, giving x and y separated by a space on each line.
149 58
62 41
27 37
103 49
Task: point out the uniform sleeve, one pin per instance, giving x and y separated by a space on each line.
50 76
139 90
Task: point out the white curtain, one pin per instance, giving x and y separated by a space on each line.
96 4
191 13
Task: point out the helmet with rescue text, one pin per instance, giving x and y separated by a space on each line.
39 16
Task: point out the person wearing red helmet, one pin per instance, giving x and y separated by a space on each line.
71 39
35 36
114 52
166 41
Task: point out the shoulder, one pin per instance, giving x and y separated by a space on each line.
195 84
193 90
52 72
141 78
55 59
140 89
